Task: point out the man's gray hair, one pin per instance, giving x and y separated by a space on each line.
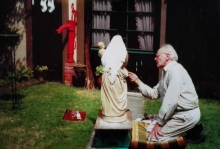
171 51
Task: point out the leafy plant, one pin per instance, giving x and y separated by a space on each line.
3 82
99 70
41 68
20 74
24 73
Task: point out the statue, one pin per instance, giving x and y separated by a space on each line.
114 84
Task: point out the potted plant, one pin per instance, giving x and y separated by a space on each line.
78 67
41 70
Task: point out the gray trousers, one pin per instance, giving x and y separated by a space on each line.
180 122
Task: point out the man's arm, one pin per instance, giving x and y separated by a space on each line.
146 90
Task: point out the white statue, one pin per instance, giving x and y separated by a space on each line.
114 84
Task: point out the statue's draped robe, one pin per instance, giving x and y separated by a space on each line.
114 85
114 97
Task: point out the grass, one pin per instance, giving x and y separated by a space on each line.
210 118
39 124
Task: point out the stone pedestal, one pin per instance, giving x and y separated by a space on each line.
112 135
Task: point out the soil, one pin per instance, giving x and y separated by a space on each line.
7 89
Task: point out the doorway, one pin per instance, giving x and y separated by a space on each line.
46 43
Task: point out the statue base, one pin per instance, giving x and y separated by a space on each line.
102 124
115 119
112 135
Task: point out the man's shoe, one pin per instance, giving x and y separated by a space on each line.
198 140
195 135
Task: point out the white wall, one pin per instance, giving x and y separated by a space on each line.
16 22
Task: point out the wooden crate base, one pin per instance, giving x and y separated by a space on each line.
112 135
111 139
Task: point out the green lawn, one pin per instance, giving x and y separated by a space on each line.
210 118
38 122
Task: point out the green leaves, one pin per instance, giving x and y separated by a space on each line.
20 74
99 70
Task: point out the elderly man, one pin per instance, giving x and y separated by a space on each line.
179 111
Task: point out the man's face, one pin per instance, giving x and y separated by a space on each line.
161 58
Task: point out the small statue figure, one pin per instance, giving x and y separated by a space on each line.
101 47
77 115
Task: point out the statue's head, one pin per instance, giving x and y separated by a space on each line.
101 45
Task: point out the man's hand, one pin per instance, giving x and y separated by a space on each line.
156 131
133 77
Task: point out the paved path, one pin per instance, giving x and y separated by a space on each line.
136 105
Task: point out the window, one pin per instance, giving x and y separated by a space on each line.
134 20
138 22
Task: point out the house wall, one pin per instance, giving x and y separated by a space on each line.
28 26
80 32
163 22
17 15
163 26
193 28
20 18
14 20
